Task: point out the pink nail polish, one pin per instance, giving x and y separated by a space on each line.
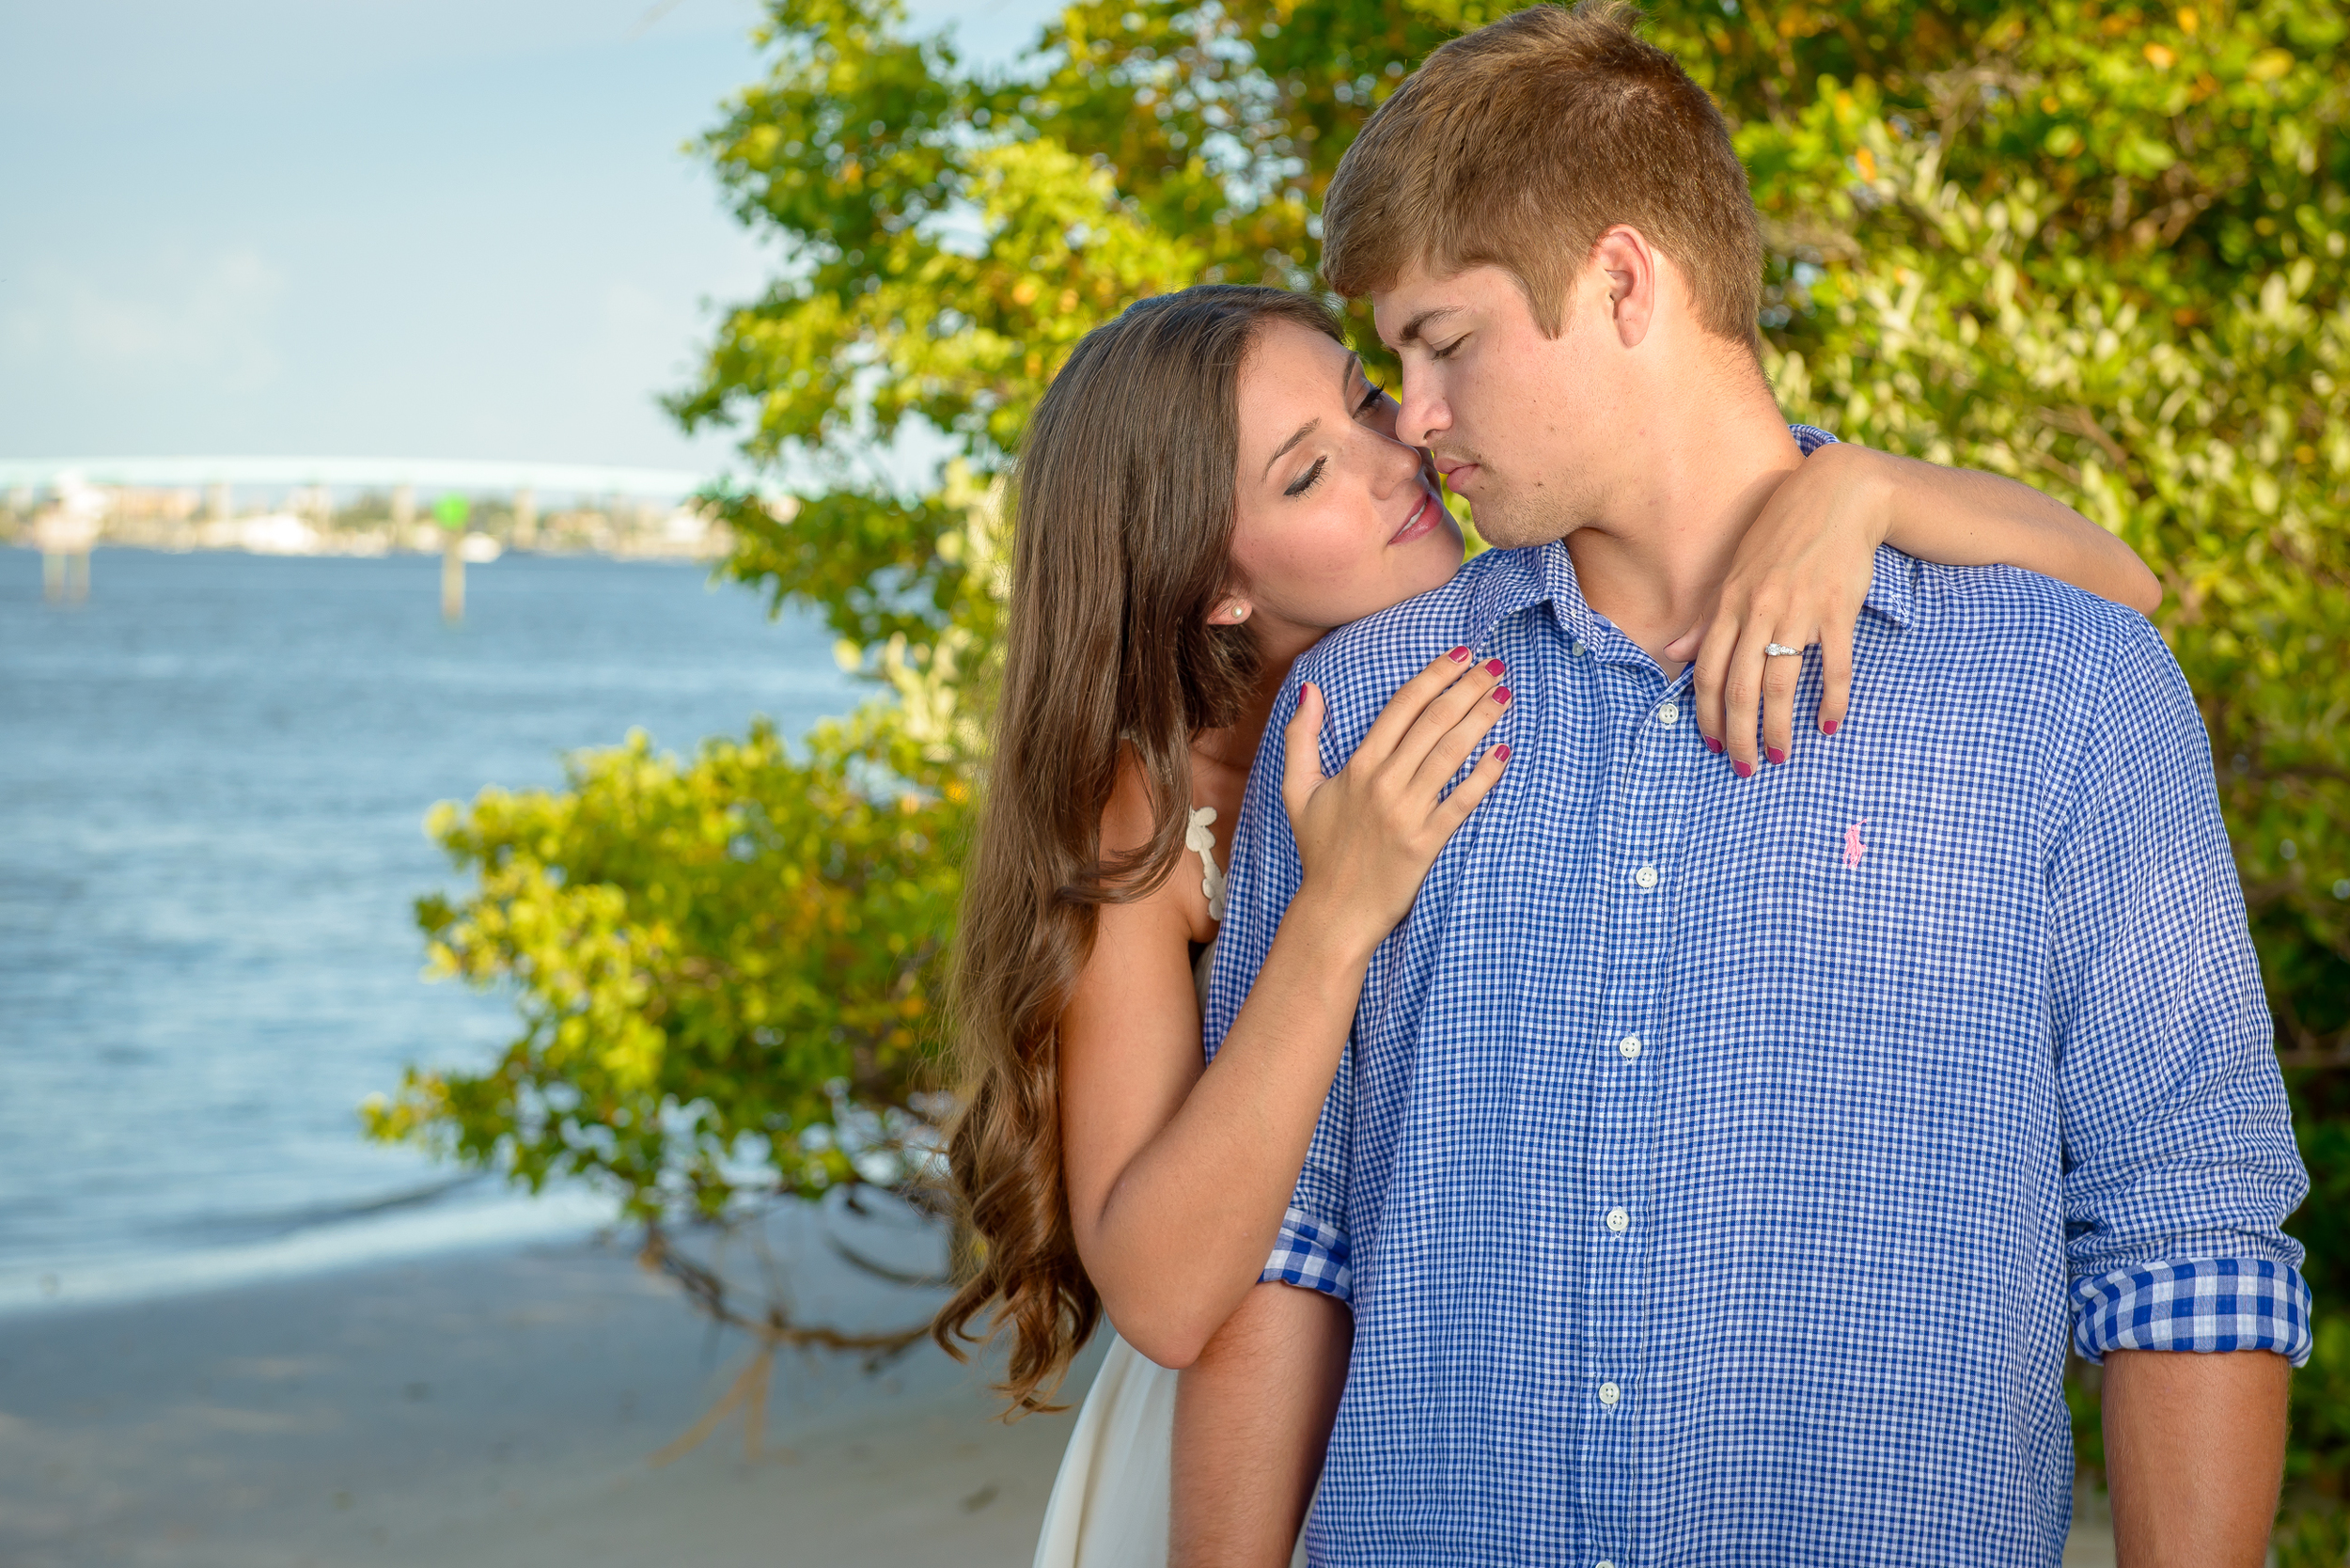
1776 755
1744 770
1493 667
1459 655
1712 745
1501 693
1501 752
1827 726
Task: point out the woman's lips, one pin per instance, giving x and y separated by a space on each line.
1423 518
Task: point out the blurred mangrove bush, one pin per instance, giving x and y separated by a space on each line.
2098 246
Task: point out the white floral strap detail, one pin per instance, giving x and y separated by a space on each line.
1197 838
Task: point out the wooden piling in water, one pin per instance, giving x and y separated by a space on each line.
65 576
453 575
65 533
452 513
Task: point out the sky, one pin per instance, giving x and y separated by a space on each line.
424 228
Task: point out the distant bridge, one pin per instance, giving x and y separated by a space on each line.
471 477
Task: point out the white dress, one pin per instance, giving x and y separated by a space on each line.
1109 1504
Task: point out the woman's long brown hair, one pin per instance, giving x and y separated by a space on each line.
1121 545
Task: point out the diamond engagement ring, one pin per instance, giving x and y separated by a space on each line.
1780 650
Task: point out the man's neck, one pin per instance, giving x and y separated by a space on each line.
1654 562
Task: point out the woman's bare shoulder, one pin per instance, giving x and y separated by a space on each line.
1127 825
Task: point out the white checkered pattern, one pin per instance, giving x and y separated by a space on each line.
1310 1255
1895 1134
2196 1304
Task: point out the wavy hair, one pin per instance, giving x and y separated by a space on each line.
1121 545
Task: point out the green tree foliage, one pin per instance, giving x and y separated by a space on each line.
2096 245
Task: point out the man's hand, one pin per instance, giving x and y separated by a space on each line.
2195 1452
1252 1416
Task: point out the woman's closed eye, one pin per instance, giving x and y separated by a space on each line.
1310 479
1373 395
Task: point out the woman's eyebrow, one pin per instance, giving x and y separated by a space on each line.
1346 384
1287 446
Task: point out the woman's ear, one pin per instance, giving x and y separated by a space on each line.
1229 612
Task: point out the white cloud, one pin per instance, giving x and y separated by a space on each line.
201 319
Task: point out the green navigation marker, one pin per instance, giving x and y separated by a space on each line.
451 511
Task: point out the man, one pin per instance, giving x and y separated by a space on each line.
1726 1157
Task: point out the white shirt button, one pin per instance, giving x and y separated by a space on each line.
1645 877
1609 1394
1670 715
1576 647
1619 1221
1603 1562
1629 1047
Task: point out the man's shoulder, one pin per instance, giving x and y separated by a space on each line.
1359 666
1407 635
2034 625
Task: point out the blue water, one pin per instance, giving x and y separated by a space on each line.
213 777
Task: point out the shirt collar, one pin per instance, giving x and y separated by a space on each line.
1894 589
1544 573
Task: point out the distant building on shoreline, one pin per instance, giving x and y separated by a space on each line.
366 507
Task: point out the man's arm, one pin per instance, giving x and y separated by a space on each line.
1252 1415
2181 1164
2195 1453
1253 1412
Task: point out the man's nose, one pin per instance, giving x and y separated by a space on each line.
1421 414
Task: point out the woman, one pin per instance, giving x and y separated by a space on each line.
1172 554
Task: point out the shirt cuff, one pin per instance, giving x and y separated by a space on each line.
1311 1255
2201 1304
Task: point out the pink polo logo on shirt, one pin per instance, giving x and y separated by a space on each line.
1853 848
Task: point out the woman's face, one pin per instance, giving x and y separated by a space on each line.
1337 519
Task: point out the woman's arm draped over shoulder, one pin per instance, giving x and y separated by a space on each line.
1964 517
1179 1177
1802 571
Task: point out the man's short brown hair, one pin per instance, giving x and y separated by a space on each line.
1517 146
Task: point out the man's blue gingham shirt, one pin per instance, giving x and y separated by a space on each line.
1720 1169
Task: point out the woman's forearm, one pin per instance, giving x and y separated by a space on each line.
1962 517
1186 1227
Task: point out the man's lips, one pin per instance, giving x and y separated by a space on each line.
1456 473
1424 517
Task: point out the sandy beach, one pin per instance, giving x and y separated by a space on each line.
484 1409
501 1409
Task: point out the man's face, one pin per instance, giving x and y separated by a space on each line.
1517 421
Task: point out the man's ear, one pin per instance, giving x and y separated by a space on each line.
1630 263
1229 612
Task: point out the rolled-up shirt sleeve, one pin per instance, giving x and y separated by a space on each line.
2180 1161
1262 877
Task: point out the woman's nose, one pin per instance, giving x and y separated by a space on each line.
1398 465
